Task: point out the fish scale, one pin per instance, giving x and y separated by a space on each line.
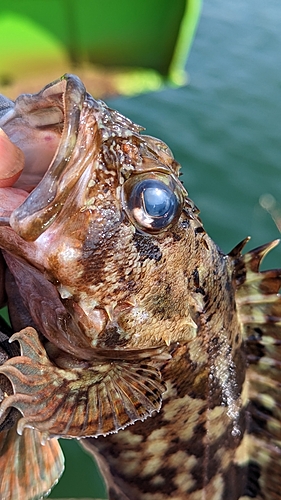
206 456
138 334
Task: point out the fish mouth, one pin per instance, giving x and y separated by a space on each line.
55 114
44 203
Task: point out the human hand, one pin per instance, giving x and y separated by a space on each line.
11 161
11 166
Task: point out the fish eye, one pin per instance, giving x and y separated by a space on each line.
152 203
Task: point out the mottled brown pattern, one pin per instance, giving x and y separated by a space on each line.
155 346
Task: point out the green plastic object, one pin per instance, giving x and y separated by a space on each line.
154 35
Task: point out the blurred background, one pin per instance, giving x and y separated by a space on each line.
115 47
223 124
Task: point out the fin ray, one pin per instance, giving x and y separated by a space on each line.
78 402
28 469
259 310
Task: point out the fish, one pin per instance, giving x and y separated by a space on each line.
138 336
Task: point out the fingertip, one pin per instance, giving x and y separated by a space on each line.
10 181
11 161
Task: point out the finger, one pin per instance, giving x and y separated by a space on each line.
11 161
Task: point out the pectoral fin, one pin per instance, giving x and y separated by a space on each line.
78 402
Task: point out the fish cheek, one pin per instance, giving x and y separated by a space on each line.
161 312
146 247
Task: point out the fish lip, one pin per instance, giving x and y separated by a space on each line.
5 118
6 109
73 96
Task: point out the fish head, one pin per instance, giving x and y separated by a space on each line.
106 226
110 258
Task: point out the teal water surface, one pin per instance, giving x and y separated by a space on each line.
224 128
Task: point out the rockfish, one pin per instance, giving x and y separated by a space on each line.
133 329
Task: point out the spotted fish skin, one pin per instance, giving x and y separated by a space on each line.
217 436
188 450
157 348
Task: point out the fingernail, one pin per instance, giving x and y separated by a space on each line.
11 159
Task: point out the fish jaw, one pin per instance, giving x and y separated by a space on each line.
78 226
34 123
76 249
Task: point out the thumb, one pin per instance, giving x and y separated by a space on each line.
11 161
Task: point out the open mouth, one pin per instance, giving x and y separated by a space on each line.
45 127
35 125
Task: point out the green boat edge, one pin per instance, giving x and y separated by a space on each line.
32 43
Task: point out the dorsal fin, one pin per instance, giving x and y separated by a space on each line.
236 251
259 309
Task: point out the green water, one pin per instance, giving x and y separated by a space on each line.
224 128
